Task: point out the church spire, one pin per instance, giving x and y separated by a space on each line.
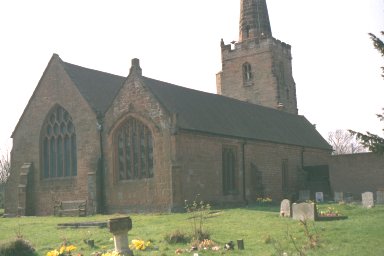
254 20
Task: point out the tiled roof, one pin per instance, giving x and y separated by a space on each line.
98 88
216 114
204 112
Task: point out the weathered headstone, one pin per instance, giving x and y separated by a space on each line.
380 197
119 227
339 197
304 211
367 200
304 195
285 208
319 197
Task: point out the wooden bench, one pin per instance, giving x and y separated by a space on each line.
71 208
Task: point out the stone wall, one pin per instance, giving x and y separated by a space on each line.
55 88
149 194
357 173
200 159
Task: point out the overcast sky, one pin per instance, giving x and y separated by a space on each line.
335 67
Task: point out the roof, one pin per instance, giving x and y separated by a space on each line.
216 114
204 112
98 88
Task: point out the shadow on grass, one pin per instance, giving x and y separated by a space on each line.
263 207
252 207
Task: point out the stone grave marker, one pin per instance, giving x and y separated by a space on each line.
367 200
319 197
304 195
304 211
285 208
339 197
380 196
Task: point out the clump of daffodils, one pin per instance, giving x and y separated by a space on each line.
63 251
139 245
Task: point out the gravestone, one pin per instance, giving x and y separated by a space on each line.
339 197
304 211
367 200
285 208
380 197
304 195
319 197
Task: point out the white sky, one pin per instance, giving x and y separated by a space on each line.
336 69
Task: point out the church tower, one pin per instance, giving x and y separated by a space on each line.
257 68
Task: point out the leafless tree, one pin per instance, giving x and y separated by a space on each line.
5 167
344 142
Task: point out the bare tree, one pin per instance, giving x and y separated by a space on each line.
344 142
5 167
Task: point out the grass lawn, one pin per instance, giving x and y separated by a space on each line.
261 228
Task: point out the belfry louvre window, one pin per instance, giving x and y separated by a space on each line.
247 72
59 154
229 170
134 151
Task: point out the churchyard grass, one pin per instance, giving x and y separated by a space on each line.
261 228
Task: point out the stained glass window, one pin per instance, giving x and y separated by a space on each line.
59 153
134 150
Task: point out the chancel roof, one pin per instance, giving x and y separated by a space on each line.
204 112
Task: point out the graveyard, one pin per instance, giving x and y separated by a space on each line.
260 228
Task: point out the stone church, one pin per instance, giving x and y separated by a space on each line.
135 143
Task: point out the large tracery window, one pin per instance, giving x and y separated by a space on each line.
134 150
59 153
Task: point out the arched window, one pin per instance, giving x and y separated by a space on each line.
59 153
134 151
247 72
247 29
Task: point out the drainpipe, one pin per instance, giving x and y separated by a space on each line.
243 169
101 175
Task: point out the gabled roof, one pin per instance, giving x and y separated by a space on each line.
216 114
98 88
203 112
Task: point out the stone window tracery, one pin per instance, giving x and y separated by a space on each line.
134 151
59 150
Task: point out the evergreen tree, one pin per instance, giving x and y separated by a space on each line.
369 140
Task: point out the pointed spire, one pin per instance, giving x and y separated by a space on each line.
254 20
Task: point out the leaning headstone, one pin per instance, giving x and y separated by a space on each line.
380 196
339 197
367 200
304 211
319 197
304 195
285 208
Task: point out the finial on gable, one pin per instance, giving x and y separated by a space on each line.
135 68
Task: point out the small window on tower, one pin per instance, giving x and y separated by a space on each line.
247 29
247 73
